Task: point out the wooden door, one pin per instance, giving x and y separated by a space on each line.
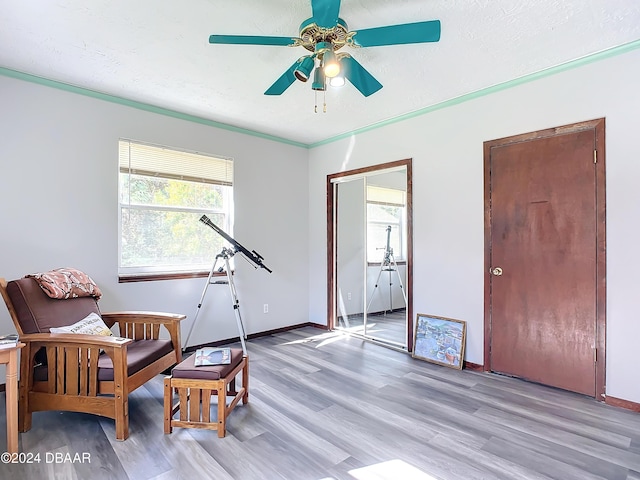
544 289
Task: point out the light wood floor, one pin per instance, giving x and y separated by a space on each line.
388 327
324 406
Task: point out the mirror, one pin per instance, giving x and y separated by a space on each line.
370 229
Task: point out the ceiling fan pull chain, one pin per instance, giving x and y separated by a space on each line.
324 100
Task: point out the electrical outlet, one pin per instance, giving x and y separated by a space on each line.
349 296
265 308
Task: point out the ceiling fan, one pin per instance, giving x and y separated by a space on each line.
323 35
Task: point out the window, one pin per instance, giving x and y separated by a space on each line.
385 223
163 194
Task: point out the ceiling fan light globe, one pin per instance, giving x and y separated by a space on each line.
330 64
337 81
331 70
301 76
319 81
303 70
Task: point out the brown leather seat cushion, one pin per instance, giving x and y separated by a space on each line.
140 353
186 369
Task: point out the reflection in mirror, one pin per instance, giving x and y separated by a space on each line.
350 255
371 255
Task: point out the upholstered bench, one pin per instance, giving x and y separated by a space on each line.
195 386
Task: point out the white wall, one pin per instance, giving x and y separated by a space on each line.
58 180
59 186
446 147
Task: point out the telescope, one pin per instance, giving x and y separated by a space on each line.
225 255
253 256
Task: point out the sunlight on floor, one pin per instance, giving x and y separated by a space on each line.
323 339
360 329
330 337
391 470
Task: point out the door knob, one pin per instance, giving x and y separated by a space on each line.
497 271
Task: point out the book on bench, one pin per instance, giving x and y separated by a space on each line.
9 340
208 356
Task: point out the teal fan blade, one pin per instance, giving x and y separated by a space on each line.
284 82
251 40
359 76
325 12
326 31
419 32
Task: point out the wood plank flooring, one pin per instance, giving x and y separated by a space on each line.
388 327
326 406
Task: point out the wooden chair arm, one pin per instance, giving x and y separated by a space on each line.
99 341
146 325
143 317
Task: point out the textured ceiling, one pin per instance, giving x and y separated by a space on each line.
157 52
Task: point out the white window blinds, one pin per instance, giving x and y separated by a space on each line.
146 159
386 196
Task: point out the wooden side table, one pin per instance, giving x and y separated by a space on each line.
9 356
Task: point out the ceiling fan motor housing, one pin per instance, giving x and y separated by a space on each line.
311 34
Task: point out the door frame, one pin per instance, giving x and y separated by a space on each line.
331 254
598 127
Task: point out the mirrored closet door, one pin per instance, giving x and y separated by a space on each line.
370 238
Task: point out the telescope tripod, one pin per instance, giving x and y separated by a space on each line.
388 265
225 255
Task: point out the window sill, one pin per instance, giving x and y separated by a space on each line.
377 264
152 277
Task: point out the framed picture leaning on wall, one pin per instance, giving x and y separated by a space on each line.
440 340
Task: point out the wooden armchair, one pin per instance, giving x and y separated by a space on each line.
79 372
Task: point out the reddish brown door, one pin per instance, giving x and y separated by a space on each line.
543 263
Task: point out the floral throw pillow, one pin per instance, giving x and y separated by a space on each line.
64 283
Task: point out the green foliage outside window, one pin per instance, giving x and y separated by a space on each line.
379 217
159 222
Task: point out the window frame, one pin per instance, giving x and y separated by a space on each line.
153 273
399 257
